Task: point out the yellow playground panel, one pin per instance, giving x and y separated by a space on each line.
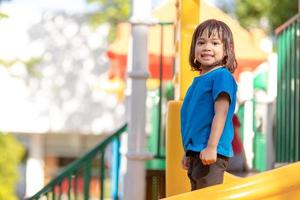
280 183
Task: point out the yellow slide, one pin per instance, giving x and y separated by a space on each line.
281 183
278 184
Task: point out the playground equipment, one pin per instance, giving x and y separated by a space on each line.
85 177
288 97
280 183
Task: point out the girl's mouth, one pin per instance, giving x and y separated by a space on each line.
206 55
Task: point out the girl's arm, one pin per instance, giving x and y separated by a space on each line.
209 154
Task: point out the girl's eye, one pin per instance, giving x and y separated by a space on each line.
200 43
216 43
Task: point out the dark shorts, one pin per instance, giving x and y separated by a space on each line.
202 176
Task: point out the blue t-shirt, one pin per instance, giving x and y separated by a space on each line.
197 111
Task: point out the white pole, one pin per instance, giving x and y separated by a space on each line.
135 176
246 95
35 166
270 114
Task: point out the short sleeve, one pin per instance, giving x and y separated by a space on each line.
224 82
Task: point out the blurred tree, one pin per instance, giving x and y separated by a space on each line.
111 12
227 6
3 15
29 63
265 13
11 153
3 0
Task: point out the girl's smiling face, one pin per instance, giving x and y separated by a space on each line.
209 50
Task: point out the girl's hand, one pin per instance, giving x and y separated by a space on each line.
208 155
185 162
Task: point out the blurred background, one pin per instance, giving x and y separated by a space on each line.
63 73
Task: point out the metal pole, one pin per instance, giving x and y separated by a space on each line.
135 176
115 169
160 89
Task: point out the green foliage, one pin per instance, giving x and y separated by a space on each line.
3 15
111 12
30 64
11 153
265 13
282 11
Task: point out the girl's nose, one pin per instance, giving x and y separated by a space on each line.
207 47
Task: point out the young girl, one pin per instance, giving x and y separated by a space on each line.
208 107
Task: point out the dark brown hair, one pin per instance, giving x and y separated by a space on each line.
226 37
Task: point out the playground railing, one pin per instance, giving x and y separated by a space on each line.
288 88
85 177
